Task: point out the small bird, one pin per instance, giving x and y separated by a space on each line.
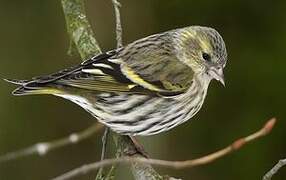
147 87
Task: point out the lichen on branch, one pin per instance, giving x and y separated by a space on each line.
79 29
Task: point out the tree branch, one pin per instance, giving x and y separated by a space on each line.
116 6
236 145
43 148
141 171
79 29
275 169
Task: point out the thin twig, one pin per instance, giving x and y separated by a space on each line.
117 5
43 148
174 164
103 151
104 142
275 169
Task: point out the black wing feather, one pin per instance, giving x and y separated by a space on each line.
42 80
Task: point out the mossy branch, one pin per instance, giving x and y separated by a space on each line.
79 29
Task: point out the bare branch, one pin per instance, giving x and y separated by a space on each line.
174 164
274 170
43 148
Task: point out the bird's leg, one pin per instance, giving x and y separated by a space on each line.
139 147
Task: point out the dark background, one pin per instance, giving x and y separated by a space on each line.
33 41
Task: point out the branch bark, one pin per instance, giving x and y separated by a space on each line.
79 29
275 169
140 171
118 26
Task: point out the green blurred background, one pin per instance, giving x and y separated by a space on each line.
34 42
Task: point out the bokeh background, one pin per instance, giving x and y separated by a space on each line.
33 41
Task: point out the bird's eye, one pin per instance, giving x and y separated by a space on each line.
206 56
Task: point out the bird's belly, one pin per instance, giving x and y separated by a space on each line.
135 114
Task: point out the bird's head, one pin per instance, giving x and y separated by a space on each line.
203 49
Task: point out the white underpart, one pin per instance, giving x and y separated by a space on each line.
127 104
81 101
85 104
132 116
158 114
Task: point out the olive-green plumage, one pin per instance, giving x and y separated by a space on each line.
146 87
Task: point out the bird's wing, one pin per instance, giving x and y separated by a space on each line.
96 74
146 65
149 64
100 75
152 62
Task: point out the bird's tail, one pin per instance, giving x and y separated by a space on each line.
27 87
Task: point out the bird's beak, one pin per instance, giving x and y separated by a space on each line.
217 74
